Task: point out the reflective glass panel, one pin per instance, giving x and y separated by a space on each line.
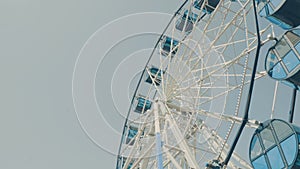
267 137
209 6
293 38
297 31
154 76
167 44
297 47
129 165
198 4
191 16
289 147
277 72
181 23
260 163
255 147
142 105
132 132
275 3
291 61
275 159
156 72
269 9
282 129
262 12
282 47
271 60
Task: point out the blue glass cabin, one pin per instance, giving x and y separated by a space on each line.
124 161
169 45
209 6
143 105
275 145
283 59
187 21
214 164
132 132
284 13
154 76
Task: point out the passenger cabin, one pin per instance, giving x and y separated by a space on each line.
169 45
283 59
154 76
143 105
283 13
187 21
124 161
209 5
132 132
275 144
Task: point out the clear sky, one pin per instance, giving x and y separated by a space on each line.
40 41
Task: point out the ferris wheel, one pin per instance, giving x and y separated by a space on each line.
185 111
